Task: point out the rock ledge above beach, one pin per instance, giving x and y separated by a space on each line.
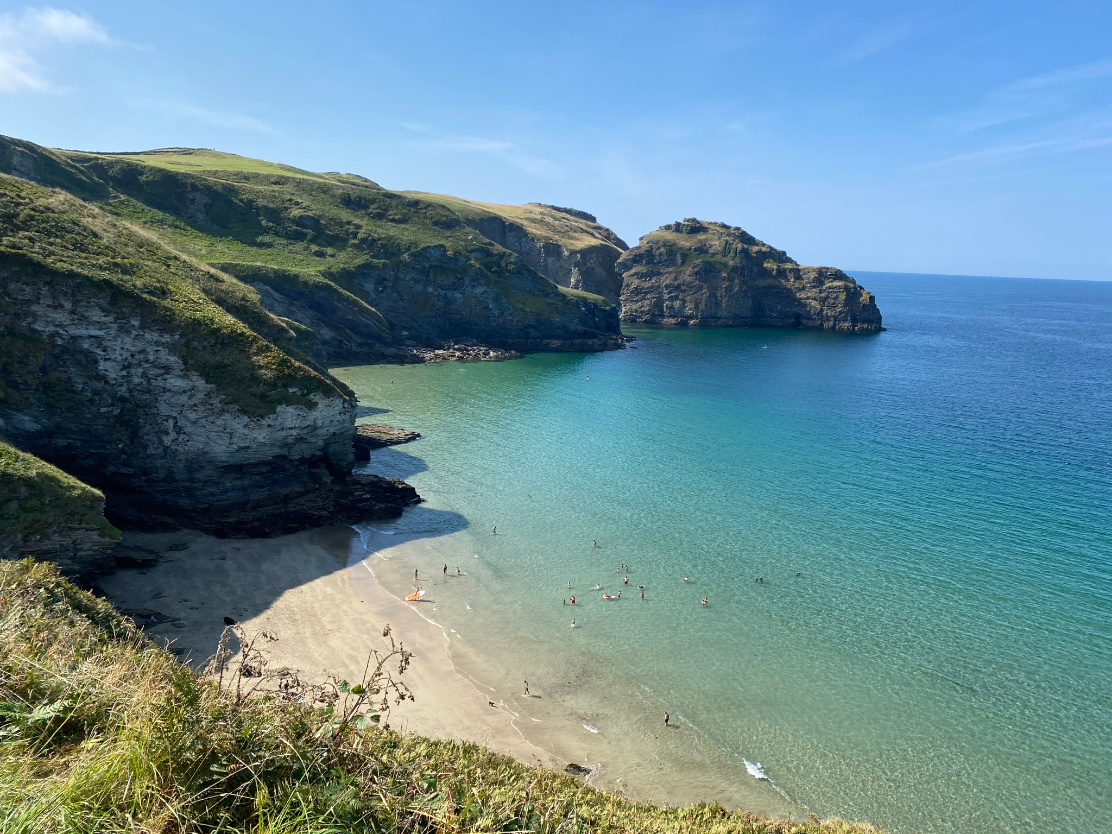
376 436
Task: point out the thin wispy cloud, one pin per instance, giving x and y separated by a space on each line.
204 115
1069 75
23 39
508 151
877 40
1085 132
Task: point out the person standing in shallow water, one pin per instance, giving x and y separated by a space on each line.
495 533
666 719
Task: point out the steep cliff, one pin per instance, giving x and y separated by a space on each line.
147 376
567 246
695 272
354 269
50 515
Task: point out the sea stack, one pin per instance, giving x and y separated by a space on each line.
710 274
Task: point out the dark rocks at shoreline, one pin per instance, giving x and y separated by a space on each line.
375 435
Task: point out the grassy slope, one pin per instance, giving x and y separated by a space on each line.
36 498
302 226
543 223
102 731
48 236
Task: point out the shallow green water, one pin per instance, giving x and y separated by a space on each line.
943 663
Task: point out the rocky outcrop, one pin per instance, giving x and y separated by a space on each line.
370 436
49 515
132 380
589 268
567 246
711 274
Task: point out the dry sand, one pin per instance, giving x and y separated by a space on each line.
326 616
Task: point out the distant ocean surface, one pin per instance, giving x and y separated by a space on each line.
943 661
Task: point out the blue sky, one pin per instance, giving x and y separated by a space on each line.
969 138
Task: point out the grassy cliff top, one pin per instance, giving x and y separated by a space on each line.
212 161
36 498
100 730
546 223
224 333
697 238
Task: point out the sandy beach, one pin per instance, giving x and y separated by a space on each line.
316 592
300 589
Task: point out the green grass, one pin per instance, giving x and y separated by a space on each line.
224 334
36 498
543 223
101 731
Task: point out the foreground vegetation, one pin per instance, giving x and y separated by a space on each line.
101 730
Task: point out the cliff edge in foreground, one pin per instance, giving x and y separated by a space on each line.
703 273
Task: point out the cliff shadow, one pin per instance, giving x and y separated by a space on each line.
293 587
392 462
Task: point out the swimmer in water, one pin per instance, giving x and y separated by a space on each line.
594 542
686 579
797 573
704 602
640 587
598 587
642 595
573 600
626 580
569 586
573 623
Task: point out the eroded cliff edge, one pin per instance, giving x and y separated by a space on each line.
121 365
711 274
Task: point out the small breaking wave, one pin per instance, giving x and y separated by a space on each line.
756 770
590 729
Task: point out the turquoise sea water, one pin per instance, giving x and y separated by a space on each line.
943 663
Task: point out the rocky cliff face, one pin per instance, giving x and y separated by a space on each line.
702 273
567 246
117 367
315 249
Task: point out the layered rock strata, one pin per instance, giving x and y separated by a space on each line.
711 274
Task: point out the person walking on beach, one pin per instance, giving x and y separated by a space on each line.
667 718
457 571
414 575
526 689
445 570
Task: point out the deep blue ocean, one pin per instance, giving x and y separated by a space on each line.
942 662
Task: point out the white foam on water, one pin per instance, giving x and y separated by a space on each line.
590 729
756 770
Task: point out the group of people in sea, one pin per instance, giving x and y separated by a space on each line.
624 568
